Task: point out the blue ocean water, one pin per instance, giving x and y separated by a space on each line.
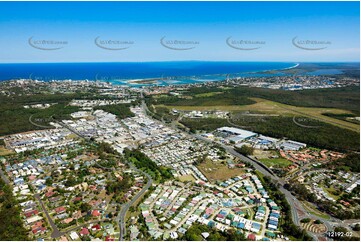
174 72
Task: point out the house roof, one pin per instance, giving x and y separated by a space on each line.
60 209
84 231
96 213
251 237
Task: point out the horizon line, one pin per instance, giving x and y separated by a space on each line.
83 62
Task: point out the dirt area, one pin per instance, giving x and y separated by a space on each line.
186 178
216 171
315 228
4 151
263 154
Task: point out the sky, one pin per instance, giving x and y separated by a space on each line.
210 31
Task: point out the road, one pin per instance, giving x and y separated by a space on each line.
56 232
125 207
292 200
72 130
4 177
38 125
295 205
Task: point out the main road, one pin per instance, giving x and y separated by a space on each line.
292 200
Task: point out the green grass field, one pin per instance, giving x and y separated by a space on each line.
208 94
277 162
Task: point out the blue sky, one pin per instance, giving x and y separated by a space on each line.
209 24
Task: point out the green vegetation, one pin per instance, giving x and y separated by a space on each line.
162 113
334 209
120 110
207 124
143 162
350 162
225 98
245 150
14 117
356 227
286 223
119 186
301 191
318 222
343 116
276 162
57 111
11 227
324 136
347 98
195 231
208 94
344 98
342 234
305 220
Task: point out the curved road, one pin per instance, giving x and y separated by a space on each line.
125 207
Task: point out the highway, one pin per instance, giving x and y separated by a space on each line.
292 200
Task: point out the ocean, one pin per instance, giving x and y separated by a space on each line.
128 73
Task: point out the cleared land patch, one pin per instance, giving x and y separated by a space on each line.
4 151
208 94
216 171
186 178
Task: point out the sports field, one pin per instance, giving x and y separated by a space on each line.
276 162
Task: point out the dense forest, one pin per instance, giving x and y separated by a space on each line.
347 98
14 117
343 116
207 124
11 227
350 162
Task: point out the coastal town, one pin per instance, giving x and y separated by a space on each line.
84 177
180 121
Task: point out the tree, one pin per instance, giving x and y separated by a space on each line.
245 150
356 227
49 182
85 207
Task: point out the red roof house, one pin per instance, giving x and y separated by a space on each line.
251 237
96 213
59 210
84 231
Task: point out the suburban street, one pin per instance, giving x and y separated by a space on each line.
56 232
125 207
